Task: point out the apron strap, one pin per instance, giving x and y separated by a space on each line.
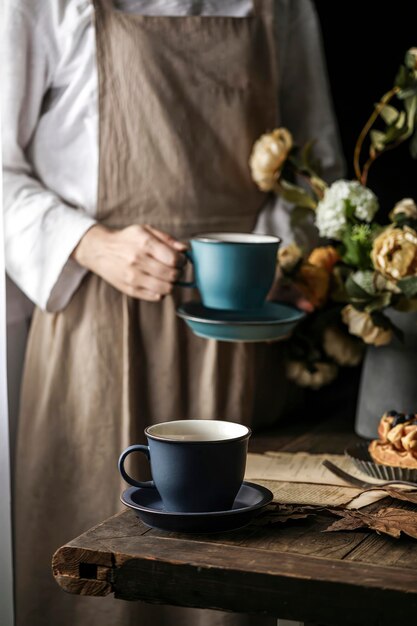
265 8
103 5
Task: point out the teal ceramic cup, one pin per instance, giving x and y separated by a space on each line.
233 271
196 465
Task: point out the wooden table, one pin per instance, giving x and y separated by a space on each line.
294 572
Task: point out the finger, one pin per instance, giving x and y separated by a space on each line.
155 285
292 295
304 304
160 251
154 268
165 238
142 294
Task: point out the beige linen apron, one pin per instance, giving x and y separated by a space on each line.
181 100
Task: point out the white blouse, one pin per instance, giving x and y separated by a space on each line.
50 126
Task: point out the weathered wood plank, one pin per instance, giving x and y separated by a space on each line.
84 566
285 596
76 570
124 523
229 538
191 573
385 551
305 537
255 561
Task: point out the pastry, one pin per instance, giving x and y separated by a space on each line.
397 443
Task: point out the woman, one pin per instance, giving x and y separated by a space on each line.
128 129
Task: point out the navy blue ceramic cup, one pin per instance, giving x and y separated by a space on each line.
196 465
233 271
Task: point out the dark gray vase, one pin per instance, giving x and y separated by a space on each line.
389 377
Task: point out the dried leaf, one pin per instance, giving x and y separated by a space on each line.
402 494
282 513
350 520
388 521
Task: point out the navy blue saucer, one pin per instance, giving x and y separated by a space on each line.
147 505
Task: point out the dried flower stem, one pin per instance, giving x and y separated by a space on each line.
371 159
358 148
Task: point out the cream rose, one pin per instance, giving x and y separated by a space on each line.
324 374
268 156
344 349
360 324
394 253
289 257
406 207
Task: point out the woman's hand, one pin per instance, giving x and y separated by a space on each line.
139 261
284 291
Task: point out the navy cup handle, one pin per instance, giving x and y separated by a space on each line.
125 475
192 284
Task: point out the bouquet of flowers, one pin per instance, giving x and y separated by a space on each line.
363 267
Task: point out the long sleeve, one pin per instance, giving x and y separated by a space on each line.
305 107
41 230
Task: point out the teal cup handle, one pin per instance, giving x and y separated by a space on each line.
192 284
125 475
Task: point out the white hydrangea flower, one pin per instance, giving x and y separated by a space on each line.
331 215
364 201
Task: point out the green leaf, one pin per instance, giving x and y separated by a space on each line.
408 286
307 158
350 211
389 113
362 292
355 291
365 280
401 220
380 301
408 92
394 133
402 78
413 146
410 60
338 286
401 121
356 252
299 216
377 139
296 194
410 105
304 161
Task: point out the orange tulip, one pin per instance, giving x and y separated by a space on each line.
325 257
313 282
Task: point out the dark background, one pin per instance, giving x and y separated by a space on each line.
365 42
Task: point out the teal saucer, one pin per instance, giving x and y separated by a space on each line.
273 322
